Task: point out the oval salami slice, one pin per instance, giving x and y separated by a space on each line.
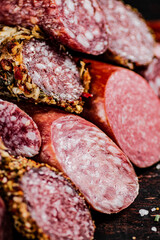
33 68
5 224
126 108
89 158
130 42
18 131
44 204
80 25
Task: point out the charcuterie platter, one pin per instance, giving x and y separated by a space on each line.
79 121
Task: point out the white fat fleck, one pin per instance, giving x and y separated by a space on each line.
40 66
31 152
2 107
13 118
89 35
113 149
158 166
98 17
143 212
154 229
31 136
24 120
99 46
71 34
87 5
32 48
70 5
59 2
58 70
153 209
157 81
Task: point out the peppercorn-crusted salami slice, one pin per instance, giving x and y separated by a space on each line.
130 42
89 158
152 75
33 68
80 25
126 108
5 223
18 131
44 204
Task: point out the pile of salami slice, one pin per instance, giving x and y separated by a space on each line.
54 165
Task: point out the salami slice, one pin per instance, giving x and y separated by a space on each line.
32 68
5 224
130 41
89 158
80 25
152 74
44 204
126 108
18 131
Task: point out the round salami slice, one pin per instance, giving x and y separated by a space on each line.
18 131
152 74
44 204
89 158
80 25
35 69
130 42
125 107
5 223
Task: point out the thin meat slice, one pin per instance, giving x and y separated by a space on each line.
125 107
152 74
130 41
33 68
80 25
18 131
5 223
89 158
44 204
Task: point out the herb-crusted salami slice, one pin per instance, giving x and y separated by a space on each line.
126 108
80 25
130 41
18 131
44 204
89 158
32 68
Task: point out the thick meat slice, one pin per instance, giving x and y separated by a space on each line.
152 75
89 158
5 223
80 25
126 108
130 42
44 204
33 68
18 131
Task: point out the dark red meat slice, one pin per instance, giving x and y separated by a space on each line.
18 131
126 108
54 73
152 75
89 158
80 25
5 223
55 206
130 40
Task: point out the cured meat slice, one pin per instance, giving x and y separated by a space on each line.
80 25
5 224
18 131
126 108
32 68
44 204
89 158
152 75
130 41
